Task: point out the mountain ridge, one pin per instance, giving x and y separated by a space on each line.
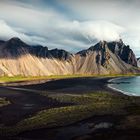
138 62
19 58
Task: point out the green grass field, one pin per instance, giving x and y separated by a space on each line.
4 79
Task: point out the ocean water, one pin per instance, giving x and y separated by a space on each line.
127 85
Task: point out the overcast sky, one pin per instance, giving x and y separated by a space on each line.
71 24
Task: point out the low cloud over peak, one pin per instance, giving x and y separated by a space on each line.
100 30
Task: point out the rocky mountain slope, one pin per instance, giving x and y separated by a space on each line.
19 58
138 62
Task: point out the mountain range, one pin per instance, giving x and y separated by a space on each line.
19 58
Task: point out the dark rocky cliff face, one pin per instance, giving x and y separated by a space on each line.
118 48
124 52
41 51
60 54
138 62
1 42
13 48
16 47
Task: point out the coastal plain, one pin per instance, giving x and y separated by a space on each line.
68 108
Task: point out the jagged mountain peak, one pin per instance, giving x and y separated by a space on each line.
15 39
16 48
116 47
102 44
15 42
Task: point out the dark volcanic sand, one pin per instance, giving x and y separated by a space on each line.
75 131
73 85
23 104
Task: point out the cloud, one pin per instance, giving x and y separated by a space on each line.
8 32
72 25
124 14
100 30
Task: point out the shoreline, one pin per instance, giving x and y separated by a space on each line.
115 89
26 85
30 86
